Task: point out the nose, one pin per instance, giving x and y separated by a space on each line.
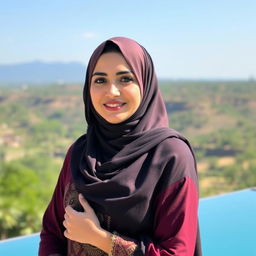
113 90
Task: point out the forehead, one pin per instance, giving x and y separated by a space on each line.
111 60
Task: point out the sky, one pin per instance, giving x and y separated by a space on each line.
187 39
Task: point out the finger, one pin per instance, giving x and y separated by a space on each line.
66 217
70 211
84 203
66 234
65 224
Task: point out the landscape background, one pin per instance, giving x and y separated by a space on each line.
39 123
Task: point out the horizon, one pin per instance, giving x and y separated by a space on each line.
77 63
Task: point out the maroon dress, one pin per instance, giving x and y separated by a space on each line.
174 206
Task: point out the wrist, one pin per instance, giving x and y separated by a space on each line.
104 241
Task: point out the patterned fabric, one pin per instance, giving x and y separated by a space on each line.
78 249
70 196
122 246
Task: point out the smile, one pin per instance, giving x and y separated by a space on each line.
113 106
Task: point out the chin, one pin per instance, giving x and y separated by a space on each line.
116 120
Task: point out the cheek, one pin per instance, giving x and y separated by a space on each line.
135 96
94 97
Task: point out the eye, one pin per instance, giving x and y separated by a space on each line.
100 80
126 79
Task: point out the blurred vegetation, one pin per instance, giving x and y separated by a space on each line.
37 125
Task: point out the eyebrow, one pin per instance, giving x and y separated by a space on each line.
118 73
123 72
99 74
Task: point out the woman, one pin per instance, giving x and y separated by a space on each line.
129 186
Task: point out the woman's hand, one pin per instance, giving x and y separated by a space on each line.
84 227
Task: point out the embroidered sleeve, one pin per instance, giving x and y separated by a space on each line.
122 246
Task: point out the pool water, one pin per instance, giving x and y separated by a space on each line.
22 246
228 224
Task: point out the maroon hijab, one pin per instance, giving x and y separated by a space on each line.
111 163
151 113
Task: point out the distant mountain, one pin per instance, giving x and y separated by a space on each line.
42 72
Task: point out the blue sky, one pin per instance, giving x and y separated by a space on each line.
186 39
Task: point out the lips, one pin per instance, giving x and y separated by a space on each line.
114 105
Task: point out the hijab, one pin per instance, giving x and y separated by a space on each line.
111 163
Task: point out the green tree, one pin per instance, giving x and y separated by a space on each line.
21 204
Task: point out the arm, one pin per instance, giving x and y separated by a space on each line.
53 242
175 225
175 229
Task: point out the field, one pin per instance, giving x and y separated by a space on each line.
38 123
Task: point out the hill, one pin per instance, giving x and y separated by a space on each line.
38 72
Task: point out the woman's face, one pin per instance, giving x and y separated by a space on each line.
114 90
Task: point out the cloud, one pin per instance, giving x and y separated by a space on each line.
89 35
